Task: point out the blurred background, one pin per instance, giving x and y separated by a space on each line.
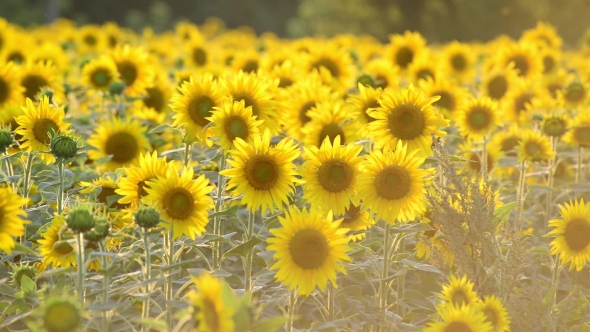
437 20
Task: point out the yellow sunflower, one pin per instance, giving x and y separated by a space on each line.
183 202
356 220
330 120
459 292
233 120
99 73
210 312
255 91
459 60
287 74
575 94
264 175
35 76
423 68
134 68
478 118
90 39
12 223
572 234
402 49
543 35
497 81
124 140
247 61
507 140
330 174
534 146
53 53
366 99
37 123
406 115
196 53
521 100
384 72
154 104
392 185
103 188
523 57
452 96
309 250
551 61
495 313
193 104
460 319
133 186
579 134
10 89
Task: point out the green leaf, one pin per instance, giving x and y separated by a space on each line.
414 299
16 155
540 250
503 212
159 129
24 250
113 199
27 285
243 249
232 211
412 228
269 325
421 267
549 299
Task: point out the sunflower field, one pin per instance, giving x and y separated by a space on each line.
209 179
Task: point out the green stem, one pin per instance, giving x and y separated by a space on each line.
60 189
217 219
187 153
550 180
105 284
484 158
148 274
555 278
9 169
384 274
292 309
170 240
579 166
331 301
27 180
520 195
249 256
81 266
401 280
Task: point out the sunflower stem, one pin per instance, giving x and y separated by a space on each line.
384 275
9 169
484 158
579 165
81 266
292 308
60 189
27 180
331 301
148 272
217 219
555 278
170 242
249 256
187 153
550 180
105 284
520 195
401 281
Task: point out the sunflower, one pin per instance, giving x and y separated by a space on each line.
392 185
579 134
331 60
133 186
287 74
408 116
35 76
498 81
107 186
10 89
134 68
356 220
183 202
233 120
264 175
247 61
523 57
255 91
309 250
575 94
543 35
330 120
507 140
90 39
522 99
460 319
124 140
37 123
52 53
301 99
12 223
384 72
154 103
495 313
193 104
572 231
534 146
551 61
366 99
478 117
459 60
402 49
452 96
99 73
196 53
423 68
555 82
210 312
330 174
16 52
459 292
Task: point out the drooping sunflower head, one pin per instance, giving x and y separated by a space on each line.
495 313
459 60
478 118
210 312
460 319
555 125
579 134
37 124
264 175
572 234
406 115
134 69
330 174
523 57
233 120
534 147
309 250
120 140
392 186
99 73
402 49
459 292
11 91
330 120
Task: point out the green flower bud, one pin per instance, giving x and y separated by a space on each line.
80 220
147 217
116 87
100 231
6 139
366 80
554 126
63 146
21 271
61 315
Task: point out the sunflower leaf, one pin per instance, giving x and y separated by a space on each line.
422 267
243 249
269 325
503 212
159 128
27 285
24 250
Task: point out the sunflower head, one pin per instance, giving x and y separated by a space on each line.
80 219
572 234
555 125
478 117
459 292
210 308
60 313
534 147
404 48
495 313
63 146
233 120
100 73
6 139
459 319
147 217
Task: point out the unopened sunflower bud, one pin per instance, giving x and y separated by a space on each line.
147 217
116 87
21 271
61 315
63 146
554 126
100 231
366 80
80 220
6 140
